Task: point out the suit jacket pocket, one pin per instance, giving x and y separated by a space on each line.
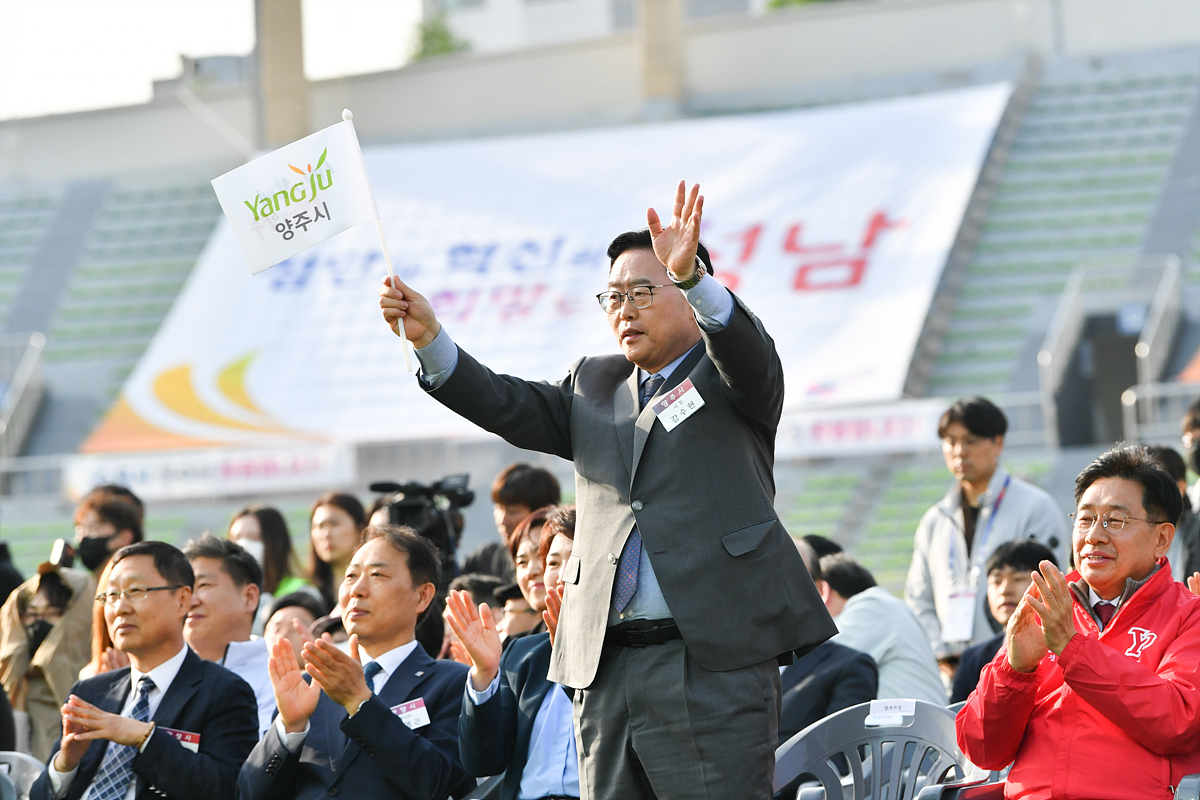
746 540
570 572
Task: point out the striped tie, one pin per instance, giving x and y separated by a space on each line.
116 771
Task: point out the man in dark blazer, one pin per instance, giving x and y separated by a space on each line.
385 726
170 725
829 679
683 589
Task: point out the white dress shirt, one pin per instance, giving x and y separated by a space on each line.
162 675
248 660
389 662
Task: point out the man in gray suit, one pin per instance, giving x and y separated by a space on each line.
683 590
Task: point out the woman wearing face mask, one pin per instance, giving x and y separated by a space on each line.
263 533
104 523
337 522
45 638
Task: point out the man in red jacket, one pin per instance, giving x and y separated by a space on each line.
1096 693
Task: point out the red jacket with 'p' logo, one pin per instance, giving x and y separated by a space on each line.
1115 717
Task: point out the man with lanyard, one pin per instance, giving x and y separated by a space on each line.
985 507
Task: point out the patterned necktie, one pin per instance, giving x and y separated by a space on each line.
370 670
1105 612
631 555
116 771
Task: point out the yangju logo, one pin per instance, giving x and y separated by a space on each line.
263 207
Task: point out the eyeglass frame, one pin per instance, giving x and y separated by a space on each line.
119 593
626 296
1101 519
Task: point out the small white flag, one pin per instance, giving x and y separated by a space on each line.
298 196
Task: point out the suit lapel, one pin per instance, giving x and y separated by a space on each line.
113 700
645 420
412 672
179 692
625 411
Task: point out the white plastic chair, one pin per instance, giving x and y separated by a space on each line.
850 759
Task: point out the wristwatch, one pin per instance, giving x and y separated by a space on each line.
697 275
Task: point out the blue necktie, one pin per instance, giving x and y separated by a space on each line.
370 670
116 771
631 555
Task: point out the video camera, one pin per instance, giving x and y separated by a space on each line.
432 511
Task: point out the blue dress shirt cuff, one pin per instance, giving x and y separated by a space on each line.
439 358
712 304
479 698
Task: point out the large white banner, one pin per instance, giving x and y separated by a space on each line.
833 224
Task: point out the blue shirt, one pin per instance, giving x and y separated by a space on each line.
552 767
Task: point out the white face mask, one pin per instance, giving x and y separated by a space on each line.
254 548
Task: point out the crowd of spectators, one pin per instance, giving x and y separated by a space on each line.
272 652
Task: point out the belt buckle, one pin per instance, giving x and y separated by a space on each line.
636 638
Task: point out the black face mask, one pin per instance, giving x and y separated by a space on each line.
93 551
38 632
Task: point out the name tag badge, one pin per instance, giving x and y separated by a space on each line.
959 624
678 404
186 738
412 713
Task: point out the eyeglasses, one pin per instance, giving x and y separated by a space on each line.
639 296
136 595
1113 522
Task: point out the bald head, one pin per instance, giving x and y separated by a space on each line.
811 562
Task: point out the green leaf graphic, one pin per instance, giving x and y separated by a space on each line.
321 160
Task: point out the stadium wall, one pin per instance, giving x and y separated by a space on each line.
816 53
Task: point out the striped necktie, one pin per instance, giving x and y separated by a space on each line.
116 770
631 555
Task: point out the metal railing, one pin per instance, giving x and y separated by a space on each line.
1066 328
1107 287
21 374
1162 322
1152 411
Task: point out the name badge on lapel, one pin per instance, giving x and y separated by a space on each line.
186 738
412 713
678 404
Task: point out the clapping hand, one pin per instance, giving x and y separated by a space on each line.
476 631
1054 605
553 610
339 674
675 245
295 697
1193 582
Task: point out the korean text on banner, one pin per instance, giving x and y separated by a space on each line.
298 196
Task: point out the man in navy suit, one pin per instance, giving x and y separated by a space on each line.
169 725
385 726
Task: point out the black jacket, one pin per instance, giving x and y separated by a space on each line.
971 664
830 678
372 754
204 698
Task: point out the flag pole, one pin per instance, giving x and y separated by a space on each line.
387 259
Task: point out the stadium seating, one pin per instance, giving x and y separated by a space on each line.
25 215
142 246
1082 179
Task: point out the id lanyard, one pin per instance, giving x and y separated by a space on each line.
981 546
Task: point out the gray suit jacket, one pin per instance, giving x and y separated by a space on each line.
700 494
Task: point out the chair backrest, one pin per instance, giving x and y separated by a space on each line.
22 769
856 754
954 708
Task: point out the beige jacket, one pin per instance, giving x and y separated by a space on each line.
40 686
